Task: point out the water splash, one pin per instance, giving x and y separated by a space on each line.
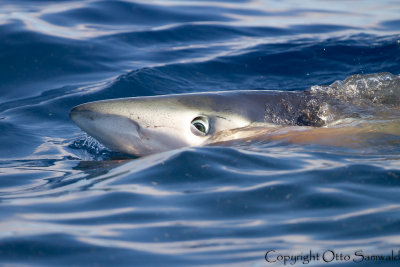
88 148
91 148
380 88
357 97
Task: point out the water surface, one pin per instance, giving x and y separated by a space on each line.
66 200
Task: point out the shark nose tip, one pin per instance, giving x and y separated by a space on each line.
77 110
73 113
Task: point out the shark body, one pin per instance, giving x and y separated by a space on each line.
359 111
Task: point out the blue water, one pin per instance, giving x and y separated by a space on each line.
67 201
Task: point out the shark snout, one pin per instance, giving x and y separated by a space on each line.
80 113
116 131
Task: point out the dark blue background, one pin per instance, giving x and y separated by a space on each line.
65 200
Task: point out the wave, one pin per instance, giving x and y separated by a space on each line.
66 200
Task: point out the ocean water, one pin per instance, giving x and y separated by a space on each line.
65 200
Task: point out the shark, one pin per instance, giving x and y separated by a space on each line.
152 124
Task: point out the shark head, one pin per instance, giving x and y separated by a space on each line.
147 125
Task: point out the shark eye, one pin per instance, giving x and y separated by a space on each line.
199 126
